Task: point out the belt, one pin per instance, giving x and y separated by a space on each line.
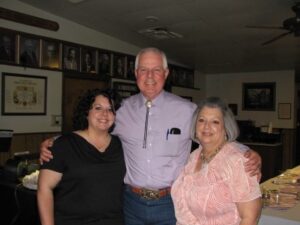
150 194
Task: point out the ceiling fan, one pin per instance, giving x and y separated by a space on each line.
292 25
159 33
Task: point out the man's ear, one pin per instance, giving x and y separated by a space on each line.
167 73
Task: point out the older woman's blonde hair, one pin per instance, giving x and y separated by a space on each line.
231 128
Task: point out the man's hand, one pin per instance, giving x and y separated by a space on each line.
253 165
45 153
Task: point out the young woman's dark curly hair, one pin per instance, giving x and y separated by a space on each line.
85 103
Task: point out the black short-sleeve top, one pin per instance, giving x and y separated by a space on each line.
91 187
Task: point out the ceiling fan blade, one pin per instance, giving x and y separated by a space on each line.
277 37
265 27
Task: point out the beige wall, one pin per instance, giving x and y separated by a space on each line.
229 87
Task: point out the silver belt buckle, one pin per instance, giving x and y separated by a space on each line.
150 194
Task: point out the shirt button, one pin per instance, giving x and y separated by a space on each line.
150 144
148 160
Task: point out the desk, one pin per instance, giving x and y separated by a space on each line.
18 204
271 155
280 217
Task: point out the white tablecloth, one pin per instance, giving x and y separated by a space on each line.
289 216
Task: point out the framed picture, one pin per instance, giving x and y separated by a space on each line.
181 77
71 56
23 95
233 108
125 89
51 54
130 67
259 96
88 60
29 52
7 46
188 98
119 65
284 111
104 62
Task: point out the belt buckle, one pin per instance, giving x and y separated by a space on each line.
149 194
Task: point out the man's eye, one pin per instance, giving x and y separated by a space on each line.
216 122
158 71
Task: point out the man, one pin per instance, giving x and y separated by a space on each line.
154 127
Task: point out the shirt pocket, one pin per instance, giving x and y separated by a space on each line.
172 145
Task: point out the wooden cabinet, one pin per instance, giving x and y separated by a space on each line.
271 155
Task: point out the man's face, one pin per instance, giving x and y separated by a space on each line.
150 74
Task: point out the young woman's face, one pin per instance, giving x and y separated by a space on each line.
101 116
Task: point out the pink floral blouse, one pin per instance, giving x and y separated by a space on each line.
208 196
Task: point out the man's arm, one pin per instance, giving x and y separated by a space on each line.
253 164
45 153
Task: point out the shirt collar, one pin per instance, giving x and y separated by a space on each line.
158 101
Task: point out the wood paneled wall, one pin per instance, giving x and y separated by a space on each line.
289 148
24 142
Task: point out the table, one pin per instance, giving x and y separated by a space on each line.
289 216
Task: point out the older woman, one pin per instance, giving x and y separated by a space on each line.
83 184
213 187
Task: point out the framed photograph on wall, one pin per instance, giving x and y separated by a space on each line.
284 111
233 108
8 45
71 56
125 89
119 66
29 52
88 60
104 62
259 96
23 94
130 67
51 54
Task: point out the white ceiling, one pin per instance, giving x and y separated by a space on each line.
215 39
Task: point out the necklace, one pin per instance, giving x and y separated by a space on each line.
205 159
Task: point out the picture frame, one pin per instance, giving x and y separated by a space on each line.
130 71
233 108
29 51
71 57
104 62
125 89
8 46
88 60
259 96
119 66
284 111
181 77
24 94
190 98
51 54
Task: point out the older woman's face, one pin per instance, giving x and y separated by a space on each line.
210 126
101 116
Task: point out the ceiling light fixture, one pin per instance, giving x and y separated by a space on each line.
151 19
